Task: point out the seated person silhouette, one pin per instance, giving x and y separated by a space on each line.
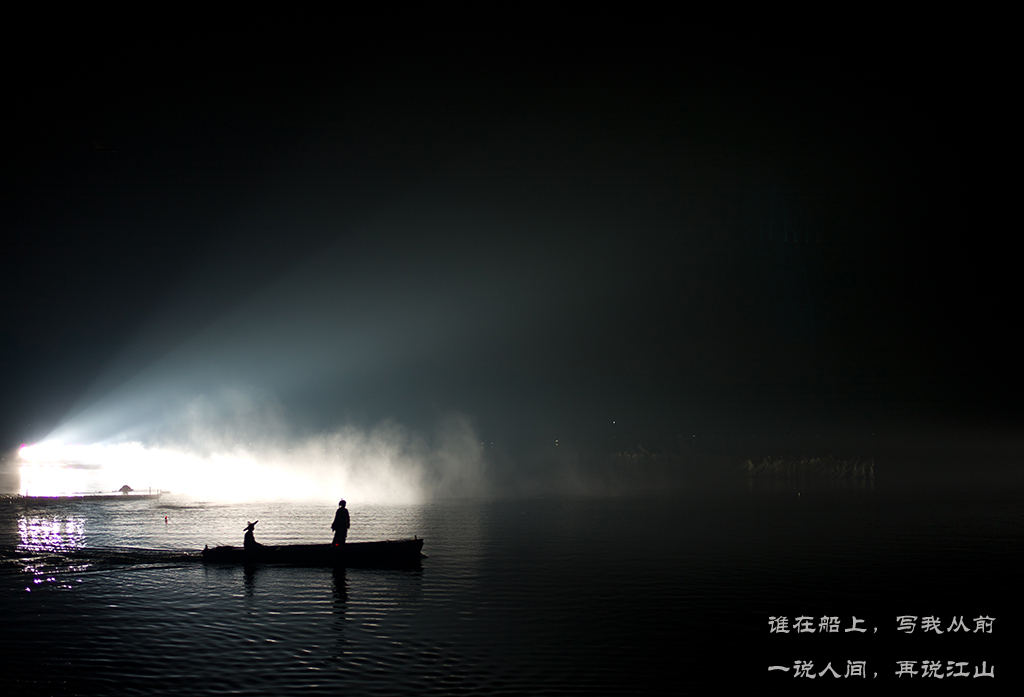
250 543
340 524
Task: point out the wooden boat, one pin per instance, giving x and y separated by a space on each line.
390 554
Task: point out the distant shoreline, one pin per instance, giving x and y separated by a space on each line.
82 497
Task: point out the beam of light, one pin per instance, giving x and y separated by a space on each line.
386 465
238 475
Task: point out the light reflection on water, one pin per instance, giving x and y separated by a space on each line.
54 532
567 597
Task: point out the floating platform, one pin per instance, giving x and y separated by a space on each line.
92 497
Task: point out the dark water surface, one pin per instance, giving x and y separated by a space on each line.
611 596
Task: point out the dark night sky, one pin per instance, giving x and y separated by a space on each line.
545 237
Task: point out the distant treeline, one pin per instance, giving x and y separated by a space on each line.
808 467
643 471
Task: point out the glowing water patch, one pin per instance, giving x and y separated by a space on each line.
51 532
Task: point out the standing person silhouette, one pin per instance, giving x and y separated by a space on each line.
340 524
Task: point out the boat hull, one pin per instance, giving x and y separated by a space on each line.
379 555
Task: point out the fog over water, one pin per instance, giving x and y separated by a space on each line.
251 456
359 355
649 338
603 258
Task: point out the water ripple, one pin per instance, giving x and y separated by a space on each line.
543 597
